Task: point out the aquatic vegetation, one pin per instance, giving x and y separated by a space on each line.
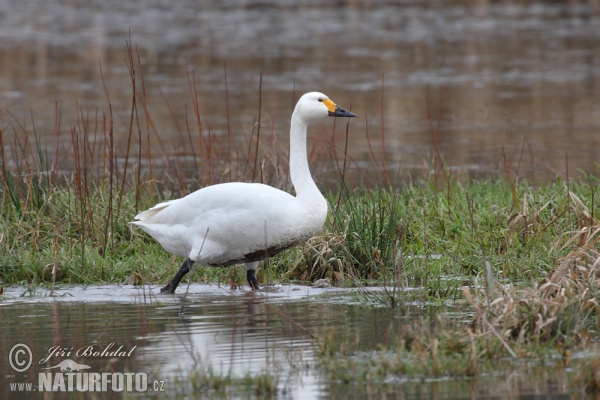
203 380
509 269
546 318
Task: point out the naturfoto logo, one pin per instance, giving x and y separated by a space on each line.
69 375
69 366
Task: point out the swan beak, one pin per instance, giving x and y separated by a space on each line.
340 112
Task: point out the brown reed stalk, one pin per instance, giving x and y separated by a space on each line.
26 156
177 168
209 153
258 127
593 189
78 200
111 169
187 126
147 115
313 152
365 176
272 153
249 149
383 157
82 123
133 112
568 186
194 94
5 192
111 166
105 158
28 177
237 164
520 160
434 136
284 316
373 158
137 124
57 120
344 188
157 136
229 149
476 237
87 206
3 166
507 166
88 153
200 132
333 147
513 179
93 149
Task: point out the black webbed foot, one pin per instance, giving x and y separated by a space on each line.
252 281
168 289
172 285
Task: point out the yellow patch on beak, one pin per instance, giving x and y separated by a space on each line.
329 104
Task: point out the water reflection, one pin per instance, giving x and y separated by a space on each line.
483 75
237 334
232 333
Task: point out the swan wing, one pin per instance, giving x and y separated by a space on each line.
241 219
152 211
223 200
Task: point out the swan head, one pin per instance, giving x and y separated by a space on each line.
314 106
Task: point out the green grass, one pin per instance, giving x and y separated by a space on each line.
413 235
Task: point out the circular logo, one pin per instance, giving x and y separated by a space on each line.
20 357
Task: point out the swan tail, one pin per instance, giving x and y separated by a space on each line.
152 211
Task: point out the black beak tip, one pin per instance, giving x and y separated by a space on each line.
340 112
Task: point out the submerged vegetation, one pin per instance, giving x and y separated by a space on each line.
522 259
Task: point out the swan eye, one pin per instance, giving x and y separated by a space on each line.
321 100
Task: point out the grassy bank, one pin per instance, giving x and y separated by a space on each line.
415 235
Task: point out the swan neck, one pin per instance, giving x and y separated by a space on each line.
299 170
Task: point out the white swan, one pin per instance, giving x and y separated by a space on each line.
245 221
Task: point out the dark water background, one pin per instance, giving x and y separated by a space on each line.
481 75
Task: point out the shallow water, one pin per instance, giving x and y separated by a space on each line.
233 332
518 75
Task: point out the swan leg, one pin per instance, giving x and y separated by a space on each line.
251 274
172 285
